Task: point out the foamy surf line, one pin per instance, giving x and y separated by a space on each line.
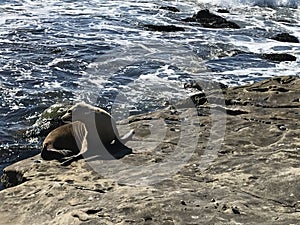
262 3
51 47
140 75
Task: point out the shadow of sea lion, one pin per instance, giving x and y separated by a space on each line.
114 151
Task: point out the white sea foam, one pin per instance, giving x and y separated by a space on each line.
59 46
267 3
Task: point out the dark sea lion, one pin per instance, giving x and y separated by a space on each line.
93 132
95 117
65 141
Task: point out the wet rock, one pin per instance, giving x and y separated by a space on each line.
48 121
163 28
223 11
210 20
169 8
285 37
285 21
204 85
279 57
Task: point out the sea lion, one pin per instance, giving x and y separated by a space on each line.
65 141
93 129
95 117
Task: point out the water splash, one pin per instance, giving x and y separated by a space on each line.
263 3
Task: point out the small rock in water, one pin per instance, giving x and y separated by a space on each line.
223 11
170 8
280 57
163 28
210 20
285 37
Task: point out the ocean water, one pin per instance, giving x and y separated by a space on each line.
95 50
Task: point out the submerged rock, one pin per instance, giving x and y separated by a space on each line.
223 11
210 20
169 8
285 37
280 57
163 28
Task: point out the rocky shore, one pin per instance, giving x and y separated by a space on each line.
227 156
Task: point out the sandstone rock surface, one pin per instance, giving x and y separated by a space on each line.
231 159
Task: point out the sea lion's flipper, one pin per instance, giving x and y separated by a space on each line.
67 161
49 154
118 149
80 133
127 137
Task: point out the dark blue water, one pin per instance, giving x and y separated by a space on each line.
57 51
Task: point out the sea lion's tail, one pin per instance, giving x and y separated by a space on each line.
127 137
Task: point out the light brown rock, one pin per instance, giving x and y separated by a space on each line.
253 178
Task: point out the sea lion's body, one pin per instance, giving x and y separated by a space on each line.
64 141
93 130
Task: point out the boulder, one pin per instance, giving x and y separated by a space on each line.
48 121
210 20
285 37
280 57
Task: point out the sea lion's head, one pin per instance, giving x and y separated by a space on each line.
81 112
79 109
67 117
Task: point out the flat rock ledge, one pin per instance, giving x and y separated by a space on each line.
231 163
